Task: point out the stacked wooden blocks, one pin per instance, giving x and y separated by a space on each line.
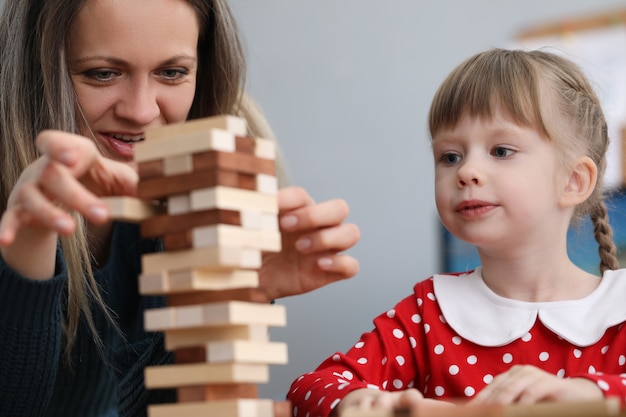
220 190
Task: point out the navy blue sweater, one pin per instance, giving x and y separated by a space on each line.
35 377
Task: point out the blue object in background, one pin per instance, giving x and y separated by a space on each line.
459 256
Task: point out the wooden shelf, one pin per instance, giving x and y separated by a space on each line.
590 22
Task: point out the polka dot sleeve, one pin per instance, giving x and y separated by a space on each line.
612 386
381 359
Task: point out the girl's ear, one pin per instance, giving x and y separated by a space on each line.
581 183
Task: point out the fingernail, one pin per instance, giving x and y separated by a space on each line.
98 213
303 244
67 157
288 221
63 224
325 263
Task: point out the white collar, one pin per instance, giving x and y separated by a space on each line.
478 314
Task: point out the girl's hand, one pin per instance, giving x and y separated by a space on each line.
313 237
410 399
525 384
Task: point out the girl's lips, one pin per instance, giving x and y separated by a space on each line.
474 208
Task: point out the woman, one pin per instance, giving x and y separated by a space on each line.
81 81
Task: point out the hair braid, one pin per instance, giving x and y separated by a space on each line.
604 236
589 131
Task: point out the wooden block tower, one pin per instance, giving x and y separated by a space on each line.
220 192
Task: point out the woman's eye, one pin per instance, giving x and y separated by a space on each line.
101 75
502 152
173 73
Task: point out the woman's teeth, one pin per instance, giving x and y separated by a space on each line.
128 138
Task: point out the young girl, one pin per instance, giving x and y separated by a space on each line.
81 81
519 142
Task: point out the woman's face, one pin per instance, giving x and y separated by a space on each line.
133 65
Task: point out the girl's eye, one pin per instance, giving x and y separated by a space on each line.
450 158
502 152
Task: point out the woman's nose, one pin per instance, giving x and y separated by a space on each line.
139 104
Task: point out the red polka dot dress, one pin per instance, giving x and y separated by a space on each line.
453 335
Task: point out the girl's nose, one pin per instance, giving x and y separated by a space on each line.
470 173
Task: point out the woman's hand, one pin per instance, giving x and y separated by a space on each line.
526 384
313 235
69 175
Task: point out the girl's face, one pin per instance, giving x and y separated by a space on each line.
133 65
497 185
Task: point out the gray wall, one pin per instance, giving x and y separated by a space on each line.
346 86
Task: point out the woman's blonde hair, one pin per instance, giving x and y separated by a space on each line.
544 91
36 93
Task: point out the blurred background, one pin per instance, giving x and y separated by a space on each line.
346 86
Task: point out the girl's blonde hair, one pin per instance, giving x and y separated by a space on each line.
544 91
37 94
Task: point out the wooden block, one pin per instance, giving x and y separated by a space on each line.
240 351
250 219
154 283
171 376
192 354
203 279
216 392
267 184
596 408
245 144
197 280
227 235
233 199
159 225
253 295
178 204
131 209
223 235
179 164
163 187
208 257
184 143
179 338
245 162
150 169
265 148
259 147
162 318
234 124
214 314
282 409
380 412
238 162
243 407
178 240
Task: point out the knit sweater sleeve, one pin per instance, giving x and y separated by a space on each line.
133 397
30 339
